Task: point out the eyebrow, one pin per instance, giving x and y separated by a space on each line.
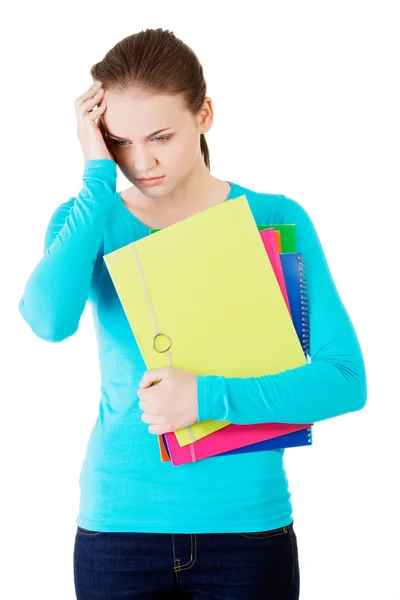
147 136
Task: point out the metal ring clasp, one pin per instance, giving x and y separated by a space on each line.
154 339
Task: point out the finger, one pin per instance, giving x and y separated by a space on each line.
159 429
150 408
88 94
155 375
147 389
153 419
145 406
94 114
90 103
145 394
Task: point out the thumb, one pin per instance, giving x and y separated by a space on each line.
154 376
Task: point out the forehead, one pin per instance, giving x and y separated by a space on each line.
137 113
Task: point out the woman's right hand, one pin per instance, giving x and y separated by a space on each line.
90 133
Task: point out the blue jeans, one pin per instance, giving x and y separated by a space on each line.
217 566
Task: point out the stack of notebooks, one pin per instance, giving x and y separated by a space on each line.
217 294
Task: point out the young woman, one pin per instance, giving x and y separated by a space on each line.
221 527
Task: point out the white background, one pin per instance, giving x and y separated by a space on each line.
306 104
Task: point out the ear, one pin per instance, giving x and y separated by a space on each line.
206 116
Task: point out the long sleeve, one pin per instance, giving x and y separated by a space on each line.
56 292
333 383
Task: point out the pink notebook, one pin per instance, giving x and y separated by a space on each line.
271 246
229 438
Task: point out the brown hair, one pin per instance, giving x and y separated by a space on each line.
155 60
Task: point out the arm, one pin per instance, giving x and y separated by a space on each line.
333 383
57 290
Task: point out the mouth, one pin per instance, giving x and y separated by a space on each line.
152 181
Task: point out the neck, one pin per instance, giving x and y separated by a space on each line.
198 192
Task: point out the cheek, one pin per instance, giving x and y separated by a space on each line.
183 153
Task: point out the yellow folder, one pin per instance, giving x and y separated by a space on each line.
202 295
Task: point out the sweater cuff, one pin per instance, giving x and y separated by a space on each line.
203 398
101 168
212 397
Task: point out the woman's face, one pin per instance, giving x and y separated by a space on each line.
141 153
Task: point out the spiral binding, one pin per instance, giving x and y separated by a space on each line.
305 323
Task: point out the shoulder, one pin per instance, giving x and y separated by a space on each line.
272 208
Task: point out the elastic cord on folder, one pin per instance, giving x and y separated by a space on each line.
151 309
158 333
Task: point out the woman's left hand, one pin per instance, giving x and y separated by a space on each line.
170 404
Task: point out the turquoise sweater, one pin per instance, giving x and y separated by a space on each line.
123 483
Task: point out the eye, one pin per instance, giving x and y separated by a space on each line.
165 137
120 143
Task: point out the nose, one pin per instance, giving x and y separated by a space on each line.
144 162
